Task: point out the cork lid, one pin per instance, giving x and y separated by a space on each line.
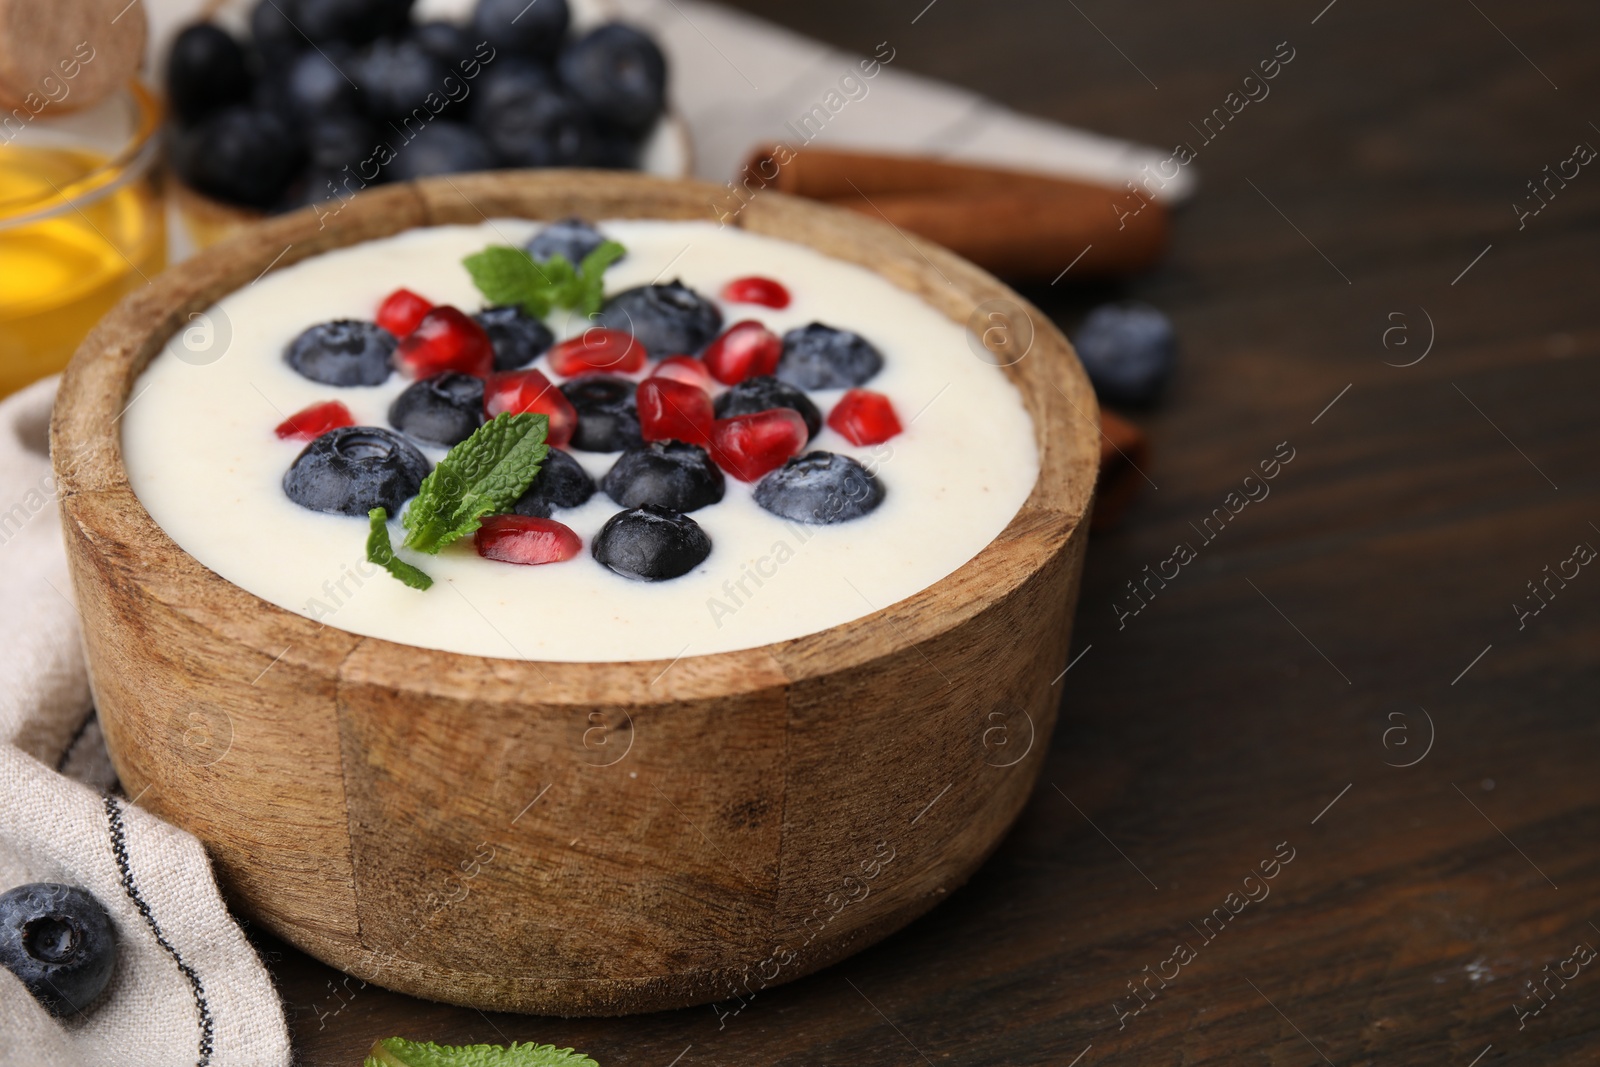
68 54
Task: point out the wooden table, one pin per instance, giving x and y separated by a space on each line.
1359 618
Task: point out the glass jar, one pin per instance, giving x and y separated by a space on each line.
81 224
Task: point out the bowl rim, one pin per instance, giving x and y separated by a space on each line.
97 502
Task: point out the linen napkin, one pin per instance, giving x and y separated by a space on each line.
187 988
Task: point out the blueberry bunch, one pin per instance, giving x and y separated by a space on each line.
328 97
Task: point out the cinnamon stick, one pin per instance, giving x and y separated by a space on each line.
1015 223
1124 453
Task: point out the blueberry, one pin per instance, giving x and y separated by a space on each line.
516 26
336 141
651 544
273 33
444 41
395 77
764 393
615 149
507 82
669 320
560 483
619 74
537 128
442 410
314 84
1129 351
241 154
820 488
608 413
343 352
351 470
669 473
572 238
351 21
206 70
518 337
59 942
441 148
821 357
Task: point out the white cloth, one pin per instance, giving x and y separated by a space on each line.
188 988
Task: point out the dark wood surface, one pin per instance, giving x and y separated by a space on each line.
1358 617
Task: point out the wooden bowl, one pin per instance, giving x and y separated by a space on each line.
577 838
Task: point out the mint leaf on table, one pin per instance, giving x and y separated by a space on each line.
398 1052
506 275
485 474
381 551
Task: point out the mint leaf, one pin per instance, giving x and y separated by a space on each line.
398 1052
482 475
589 288
506 275
381 552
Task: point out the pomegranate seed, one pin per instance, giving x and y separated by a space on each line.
745 350
316 420
401 311
596 351
756 290
523 539
446 339
749 446
685 369
864 417
521 391
673 411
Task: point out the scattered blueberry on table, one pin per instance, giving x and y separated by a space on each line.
511 87
59 942
1129 351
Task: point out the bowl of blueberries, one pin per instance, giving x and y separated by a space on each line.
285 104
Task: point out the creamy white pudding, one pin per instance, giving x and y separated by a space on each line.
201 456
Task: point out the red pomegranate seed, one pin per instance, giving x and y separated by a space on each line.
523 539
518 391
756 290
745 349
316 420
401 311
864 417
673 411
597 351
685 369
749 446
446 339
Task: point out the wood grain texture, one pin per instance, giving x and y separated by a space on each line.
576 838
1195 739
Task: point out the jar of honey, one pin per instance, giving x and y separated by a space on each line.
82 223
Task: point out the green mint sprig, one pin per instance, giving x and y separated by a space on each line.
483 475
398 1052
506 275
380 550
